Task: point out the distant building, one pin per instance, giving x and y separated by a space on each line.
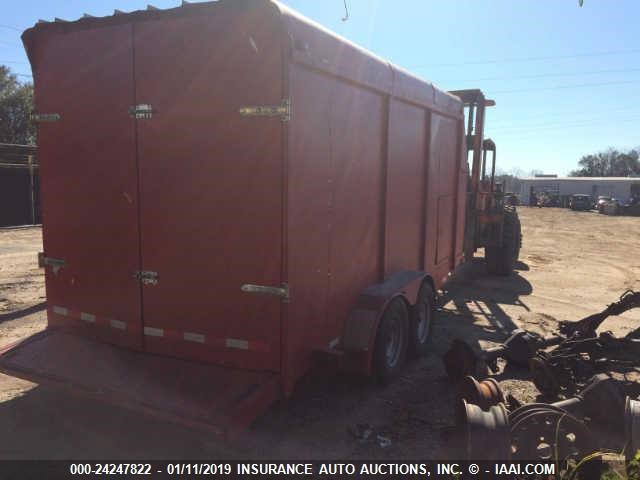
621 188
19 191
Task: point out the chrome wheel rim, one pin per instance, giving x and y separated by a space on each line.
393 344
424 320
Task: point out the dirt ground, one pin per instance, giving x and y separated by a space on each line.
572 264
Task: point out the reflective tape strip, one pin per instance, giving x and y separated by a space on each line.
60 310
87 317
236 343
153 332
120 325
193 337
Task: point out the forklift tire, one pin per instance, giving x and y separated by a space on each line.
390 348
502 260
421 325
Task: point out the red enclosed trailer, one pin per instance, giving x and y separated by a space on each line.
230 192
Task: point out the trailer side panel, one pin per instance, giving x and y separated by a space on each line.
356 207
406 187
309 194
443 172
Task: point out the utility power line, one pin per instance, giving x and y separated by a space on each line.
10 27
559 125
559 87
547 75
524 118
532 59
561 129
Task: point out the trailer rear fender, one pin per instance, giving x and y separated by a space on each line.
360 330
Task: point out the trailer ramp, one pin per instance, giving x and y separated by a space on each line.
219 399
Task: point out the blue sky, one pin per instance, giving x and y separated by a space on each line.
566 79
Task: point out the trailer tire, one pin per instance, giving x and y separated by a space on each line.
502 260
390 349
421 324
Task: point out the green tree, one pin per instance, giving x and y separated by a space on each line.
610 163
16 103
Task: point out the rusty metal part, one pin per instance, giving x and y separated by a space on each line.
520 347
587 326
568 368
485 394
632 427
543 375
546 432
601 396
461 360
485 434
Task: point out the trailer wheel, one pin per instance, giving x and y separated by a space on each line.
390 348
422 315
502 260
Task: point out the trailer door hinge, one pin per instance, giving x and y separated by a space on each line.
55 263
142 111
283 111
282 292
44 117
147 277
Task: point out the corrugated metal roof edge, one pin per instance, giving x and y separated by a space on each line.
286 13
395 69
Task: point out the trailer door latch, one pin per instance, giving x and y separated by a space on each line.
55 263
283 111
147 277
142 111
282 292
44 117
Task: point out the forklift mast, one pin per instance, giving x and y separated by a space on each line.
484 202
475 103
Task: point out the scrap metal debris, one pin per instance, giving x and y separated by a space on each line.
574 338
461 360
564 430
564 370
591 401
587 326
585 353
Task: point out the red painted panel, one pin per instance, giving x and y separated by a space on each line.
88 179
461 195
445 232
324 50
309 193
211 185
431 234
405 187
444 159
357 120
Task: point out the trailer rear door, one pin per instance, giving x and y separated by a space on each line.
89 181
211 187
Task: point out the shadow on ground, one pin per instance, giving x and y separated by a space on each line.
472 305
4 317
